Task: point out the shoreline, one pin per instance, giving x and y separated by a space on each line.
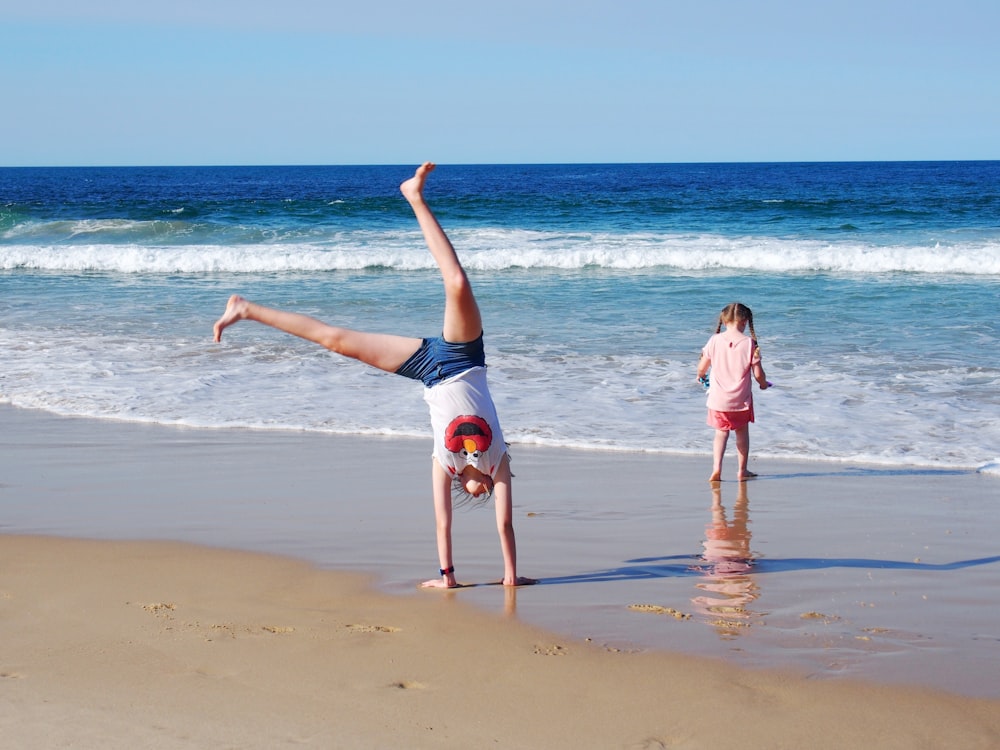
852 573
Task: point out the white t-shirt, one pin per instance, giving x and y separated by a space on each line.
465 424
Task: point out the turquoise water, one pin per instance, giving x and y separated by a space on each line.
874 290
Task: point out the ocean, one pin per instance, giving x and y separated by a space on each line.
874 288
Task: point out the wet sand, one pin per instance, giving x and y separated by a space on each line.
820 590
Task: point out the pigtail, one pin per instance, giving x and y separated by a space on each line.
753 333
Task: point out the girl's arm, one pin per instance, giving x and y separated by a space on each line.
504 501
442 516
760 377
703 364
758 369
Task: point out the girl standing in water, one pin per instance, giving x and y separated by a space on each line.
733 358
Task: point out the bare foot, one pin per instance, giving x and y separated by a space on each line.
235 310
746 475
716 477
413 188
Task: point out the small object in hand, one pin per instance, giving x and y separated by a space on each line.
704 380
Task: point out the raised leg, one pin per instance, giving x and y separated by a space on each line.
462 319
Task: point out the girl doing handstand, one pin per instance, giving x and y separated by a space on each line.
469 449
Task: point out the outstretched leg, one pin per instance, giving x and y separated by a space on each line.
381 350
462 319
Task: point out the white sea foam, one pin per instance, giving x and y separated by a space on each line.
624 402
494 250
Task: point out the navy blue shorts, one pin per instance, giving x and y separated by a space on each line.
438 360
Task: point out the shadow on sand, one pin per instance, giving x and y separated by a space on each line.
642 568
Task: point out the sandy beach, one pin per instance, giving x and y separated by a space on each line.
180 588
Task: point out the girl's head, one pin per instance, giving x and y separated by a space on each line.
736 315
472 487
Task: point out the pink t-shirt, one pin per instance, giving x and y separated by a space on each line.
731 384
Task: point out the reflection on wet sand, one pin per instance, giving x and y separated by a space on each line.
726 567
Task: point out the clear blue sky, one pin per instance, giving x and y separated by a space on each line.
129 82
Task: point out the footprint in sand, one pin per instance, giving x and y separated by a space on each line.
360 628
553 650
651 743
656 609
160 609
408 685
827 619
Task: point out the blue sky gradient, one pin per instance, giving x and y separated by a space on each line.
306 82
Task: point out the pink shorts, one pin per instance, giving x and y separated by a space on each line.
729 420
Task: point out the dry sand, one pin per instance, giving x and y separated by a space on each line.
125 645
111 643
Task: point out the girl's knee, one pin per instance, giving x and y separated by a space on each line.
457 284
